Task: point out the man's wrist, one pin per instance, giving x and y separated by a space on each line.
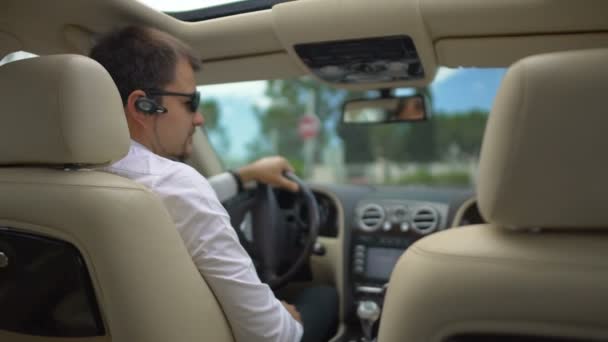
247 173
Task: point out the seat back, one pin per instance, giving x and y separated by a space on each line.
538 271
108 261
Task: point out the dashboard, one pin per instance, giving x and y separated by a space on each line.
382 230
373 226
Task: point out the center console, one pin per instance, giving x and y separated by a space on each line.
383 230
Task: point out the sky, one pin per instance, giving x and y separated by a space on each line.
465 89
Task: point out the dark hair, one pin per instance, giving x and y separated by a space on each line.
141 58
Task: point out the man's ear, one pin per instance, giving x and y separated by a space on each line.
131 110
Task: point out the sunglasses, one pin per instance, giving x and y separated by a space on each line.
195 97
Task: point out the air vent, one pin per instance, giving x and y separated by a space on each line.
372 216
425 220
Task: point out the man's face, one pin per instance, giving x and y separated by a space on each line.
173 130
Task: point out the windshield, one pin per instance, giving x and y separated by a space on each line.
249 120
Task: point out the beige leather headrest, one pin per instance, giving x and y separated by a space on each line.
543 157
62 109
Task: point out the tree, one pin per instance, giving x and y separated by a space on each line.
463 130
418 142
290 99
212 126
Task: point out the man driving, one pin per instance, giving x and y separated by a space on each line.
155 75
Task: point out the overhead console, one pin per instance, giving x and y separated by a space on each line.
382 59
359 44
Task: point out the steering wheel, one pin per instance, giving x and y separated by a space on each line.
273 239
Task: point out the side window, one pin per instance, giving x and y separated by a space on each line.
45 288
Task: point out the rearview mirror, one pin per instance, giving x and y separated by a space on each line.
385 110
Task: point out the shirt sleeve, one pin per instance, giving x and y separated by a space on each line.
250 306
224 185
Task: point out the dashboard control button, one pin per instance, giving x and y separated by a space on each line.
360 248
405 227
386 226
365 239
399 214
370 289
358 269
359 255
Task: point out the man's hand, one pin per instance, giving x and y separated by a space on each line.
269 170
292 311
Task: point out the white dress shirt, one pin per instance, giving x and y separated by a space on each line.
250 306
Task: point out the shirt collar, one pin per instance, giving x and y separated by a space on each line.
138 145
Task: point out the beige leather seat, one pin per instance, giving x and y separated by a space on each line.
539 268
61 115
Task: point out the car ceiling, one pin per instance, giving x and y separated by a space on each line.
260 45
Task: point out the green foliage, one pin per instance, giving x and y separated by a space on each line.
358 147
211 112
444 137
290 100
425 177
461 129
420 144
298 165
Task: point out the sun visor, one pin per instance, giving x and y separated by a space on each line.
358 44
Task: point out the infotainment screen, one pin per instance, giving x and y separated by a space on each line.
381 261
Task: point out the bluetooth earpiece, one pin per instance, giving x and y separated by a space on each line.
149 106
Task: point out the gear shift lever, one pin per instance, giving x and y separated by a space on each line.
368 312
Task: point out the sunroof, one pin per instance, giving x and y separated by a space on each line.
199 10
186 5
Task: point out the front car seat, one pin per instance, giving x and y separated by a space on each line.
85 253
538 271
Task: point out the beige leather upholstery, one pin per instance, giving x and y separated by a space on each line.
62 109
145 283
541 167
541 161
485 279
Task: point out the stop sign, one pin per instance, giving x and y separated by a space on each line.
308 126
